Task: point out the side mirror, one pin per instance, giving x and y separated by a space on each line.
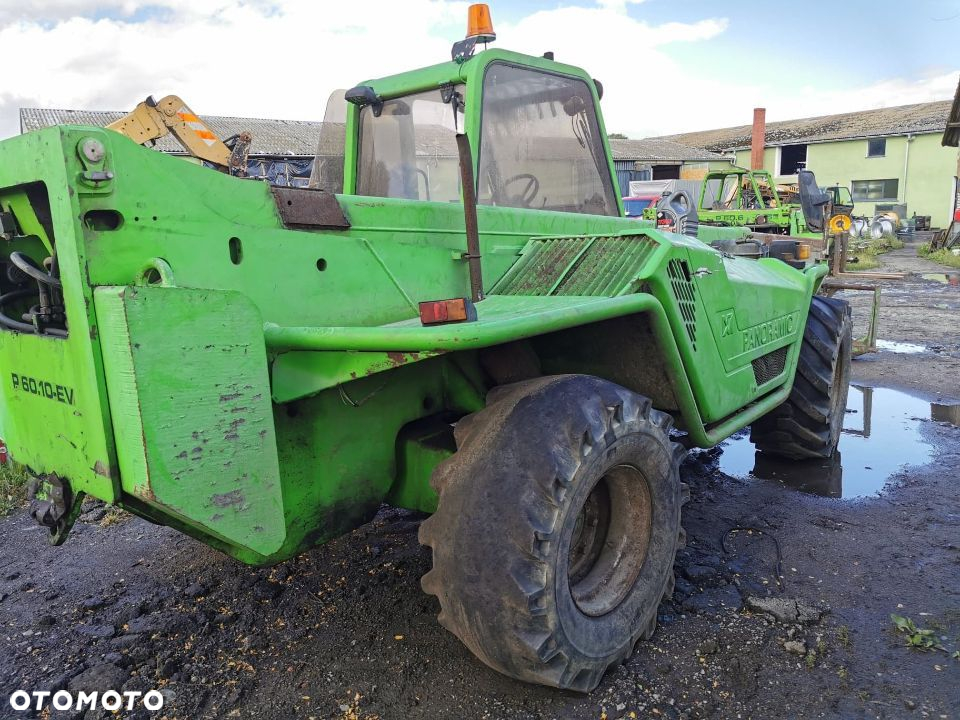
365 95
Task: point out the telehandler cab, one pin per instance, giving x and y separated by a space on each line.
457 319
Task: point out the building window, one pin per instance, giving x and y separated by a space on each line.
666 172
792 158
875 190
876 147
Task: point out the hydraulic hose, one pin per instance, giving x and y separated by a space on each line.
26 265
48 284
9 322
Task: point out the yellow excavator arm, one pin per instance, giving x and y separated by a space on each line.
153 119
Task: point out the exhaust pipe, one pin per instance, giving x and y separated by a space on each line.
758 138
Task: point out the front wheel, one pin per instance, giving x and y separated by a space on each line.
808 424
557 527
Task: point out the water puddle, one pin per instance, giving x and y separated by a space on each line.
881 435
947 278
903 348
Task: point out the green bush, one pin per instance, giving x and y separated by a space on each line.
13 487
941 256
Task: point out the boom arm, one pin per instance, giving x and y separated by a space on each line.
151 120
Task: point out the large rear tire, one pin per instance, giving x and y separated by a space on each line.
808 424
557 527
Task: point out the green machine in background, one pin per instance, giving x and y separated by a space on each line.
456 318
739 197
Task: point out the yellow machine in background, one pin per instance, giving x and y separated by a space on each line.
152 119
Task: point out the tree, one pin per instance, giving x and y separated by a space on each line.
617 136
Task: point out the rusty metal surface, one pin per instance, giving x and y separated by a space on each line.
309 208
472 255
868 343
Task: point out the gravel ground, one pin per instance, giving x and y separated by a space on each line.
344 631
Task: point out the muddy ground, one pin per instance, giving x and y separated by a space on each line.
344 631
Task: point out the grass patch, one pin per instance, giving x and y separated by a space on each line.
867 250
114 516
942 256
865 261
13 487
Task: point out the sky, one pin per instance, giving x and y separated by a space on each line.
666 66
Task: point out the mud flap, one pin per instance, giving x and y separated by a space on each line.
189 395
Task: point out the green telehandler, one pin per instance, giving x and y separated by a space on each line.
456 318
738 197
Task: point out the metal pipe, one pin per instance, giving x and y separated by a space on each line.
470 217
906 164
462 336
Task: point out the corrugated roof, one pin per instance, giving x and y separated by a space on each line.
951 136
299 137
270 137
658 149
920 118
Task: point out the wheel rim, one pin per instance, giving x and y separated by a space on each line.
610 540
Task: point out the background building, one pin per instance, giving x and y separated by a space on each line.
886 156
282 150
659 159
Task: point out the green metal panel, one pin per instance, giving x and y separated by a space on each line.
54 415
301 374
186 373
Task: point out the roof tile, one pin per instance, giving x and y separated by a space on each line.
920 118
270 137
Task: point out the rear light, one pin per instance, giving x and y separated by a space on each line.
803 251
440 312
4 455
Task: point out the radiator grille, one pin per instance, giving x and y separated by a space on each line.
593 265
685 293
769 366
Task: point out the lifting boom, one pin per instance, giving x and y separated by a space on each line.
152 119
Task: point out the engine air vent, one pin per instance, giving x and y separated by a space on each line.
769 366
685 293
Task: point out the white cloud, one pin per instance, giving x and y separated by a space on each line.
224 57
618 5
645 91
887 93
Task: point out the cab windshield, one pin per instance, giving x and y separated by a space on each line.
540 144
